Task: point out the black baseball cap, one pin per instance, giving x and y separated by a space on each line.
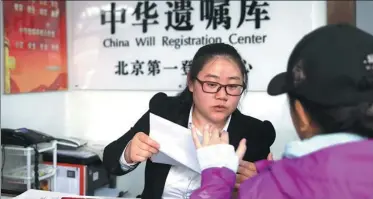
332 65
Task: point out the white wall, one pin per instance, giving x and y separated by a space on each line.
106 115
40 111
364 15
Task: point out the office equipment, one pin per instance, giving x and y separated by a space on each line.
23 137
22 147
70 143
22 170
80 172
109 192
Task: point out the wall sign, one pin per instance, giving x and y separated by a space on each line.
34 46
148 45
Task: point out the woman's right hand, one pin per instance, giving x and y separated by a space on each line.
140 148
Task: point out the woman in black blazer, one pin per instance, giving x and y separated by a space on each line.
216 80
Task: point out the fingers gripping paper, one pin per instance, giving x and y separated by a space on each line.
176 143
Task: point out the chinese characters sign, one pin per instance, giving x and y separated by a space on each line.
179 14
34 46
149 45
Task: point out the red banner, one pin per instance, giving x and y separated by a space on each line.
35 46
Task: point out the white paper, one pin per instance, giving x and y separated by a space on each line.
39 194
176 143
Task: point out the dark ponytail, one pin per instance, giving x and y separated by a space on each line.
356 119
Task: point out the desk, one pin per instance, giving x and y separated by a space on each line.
38 194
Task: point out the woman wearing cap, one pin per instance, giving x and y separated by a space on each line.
329 82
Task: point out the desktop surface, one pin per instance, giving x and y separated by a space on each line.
38 194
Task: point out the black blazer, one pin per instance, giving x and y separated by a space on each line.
259 137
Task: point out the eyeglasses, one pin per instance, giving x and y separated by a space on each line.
214 87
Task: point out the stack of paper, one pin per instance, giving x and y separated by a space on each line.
176 143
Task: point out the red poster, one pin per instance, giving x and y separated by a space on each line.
35 46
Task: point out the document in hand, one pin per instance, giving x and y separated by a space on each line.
176 143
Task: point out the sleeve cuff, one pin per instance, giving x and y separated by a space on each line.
221 155
123 163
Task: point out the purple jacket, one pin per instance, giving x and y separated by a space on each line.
343 171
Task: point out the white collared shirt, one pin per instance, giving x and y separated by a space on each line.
181 181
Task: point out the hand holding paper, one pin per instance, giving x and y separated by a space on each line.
176 143
140 148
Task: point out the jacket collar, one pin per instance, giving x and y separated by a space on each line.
304 147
